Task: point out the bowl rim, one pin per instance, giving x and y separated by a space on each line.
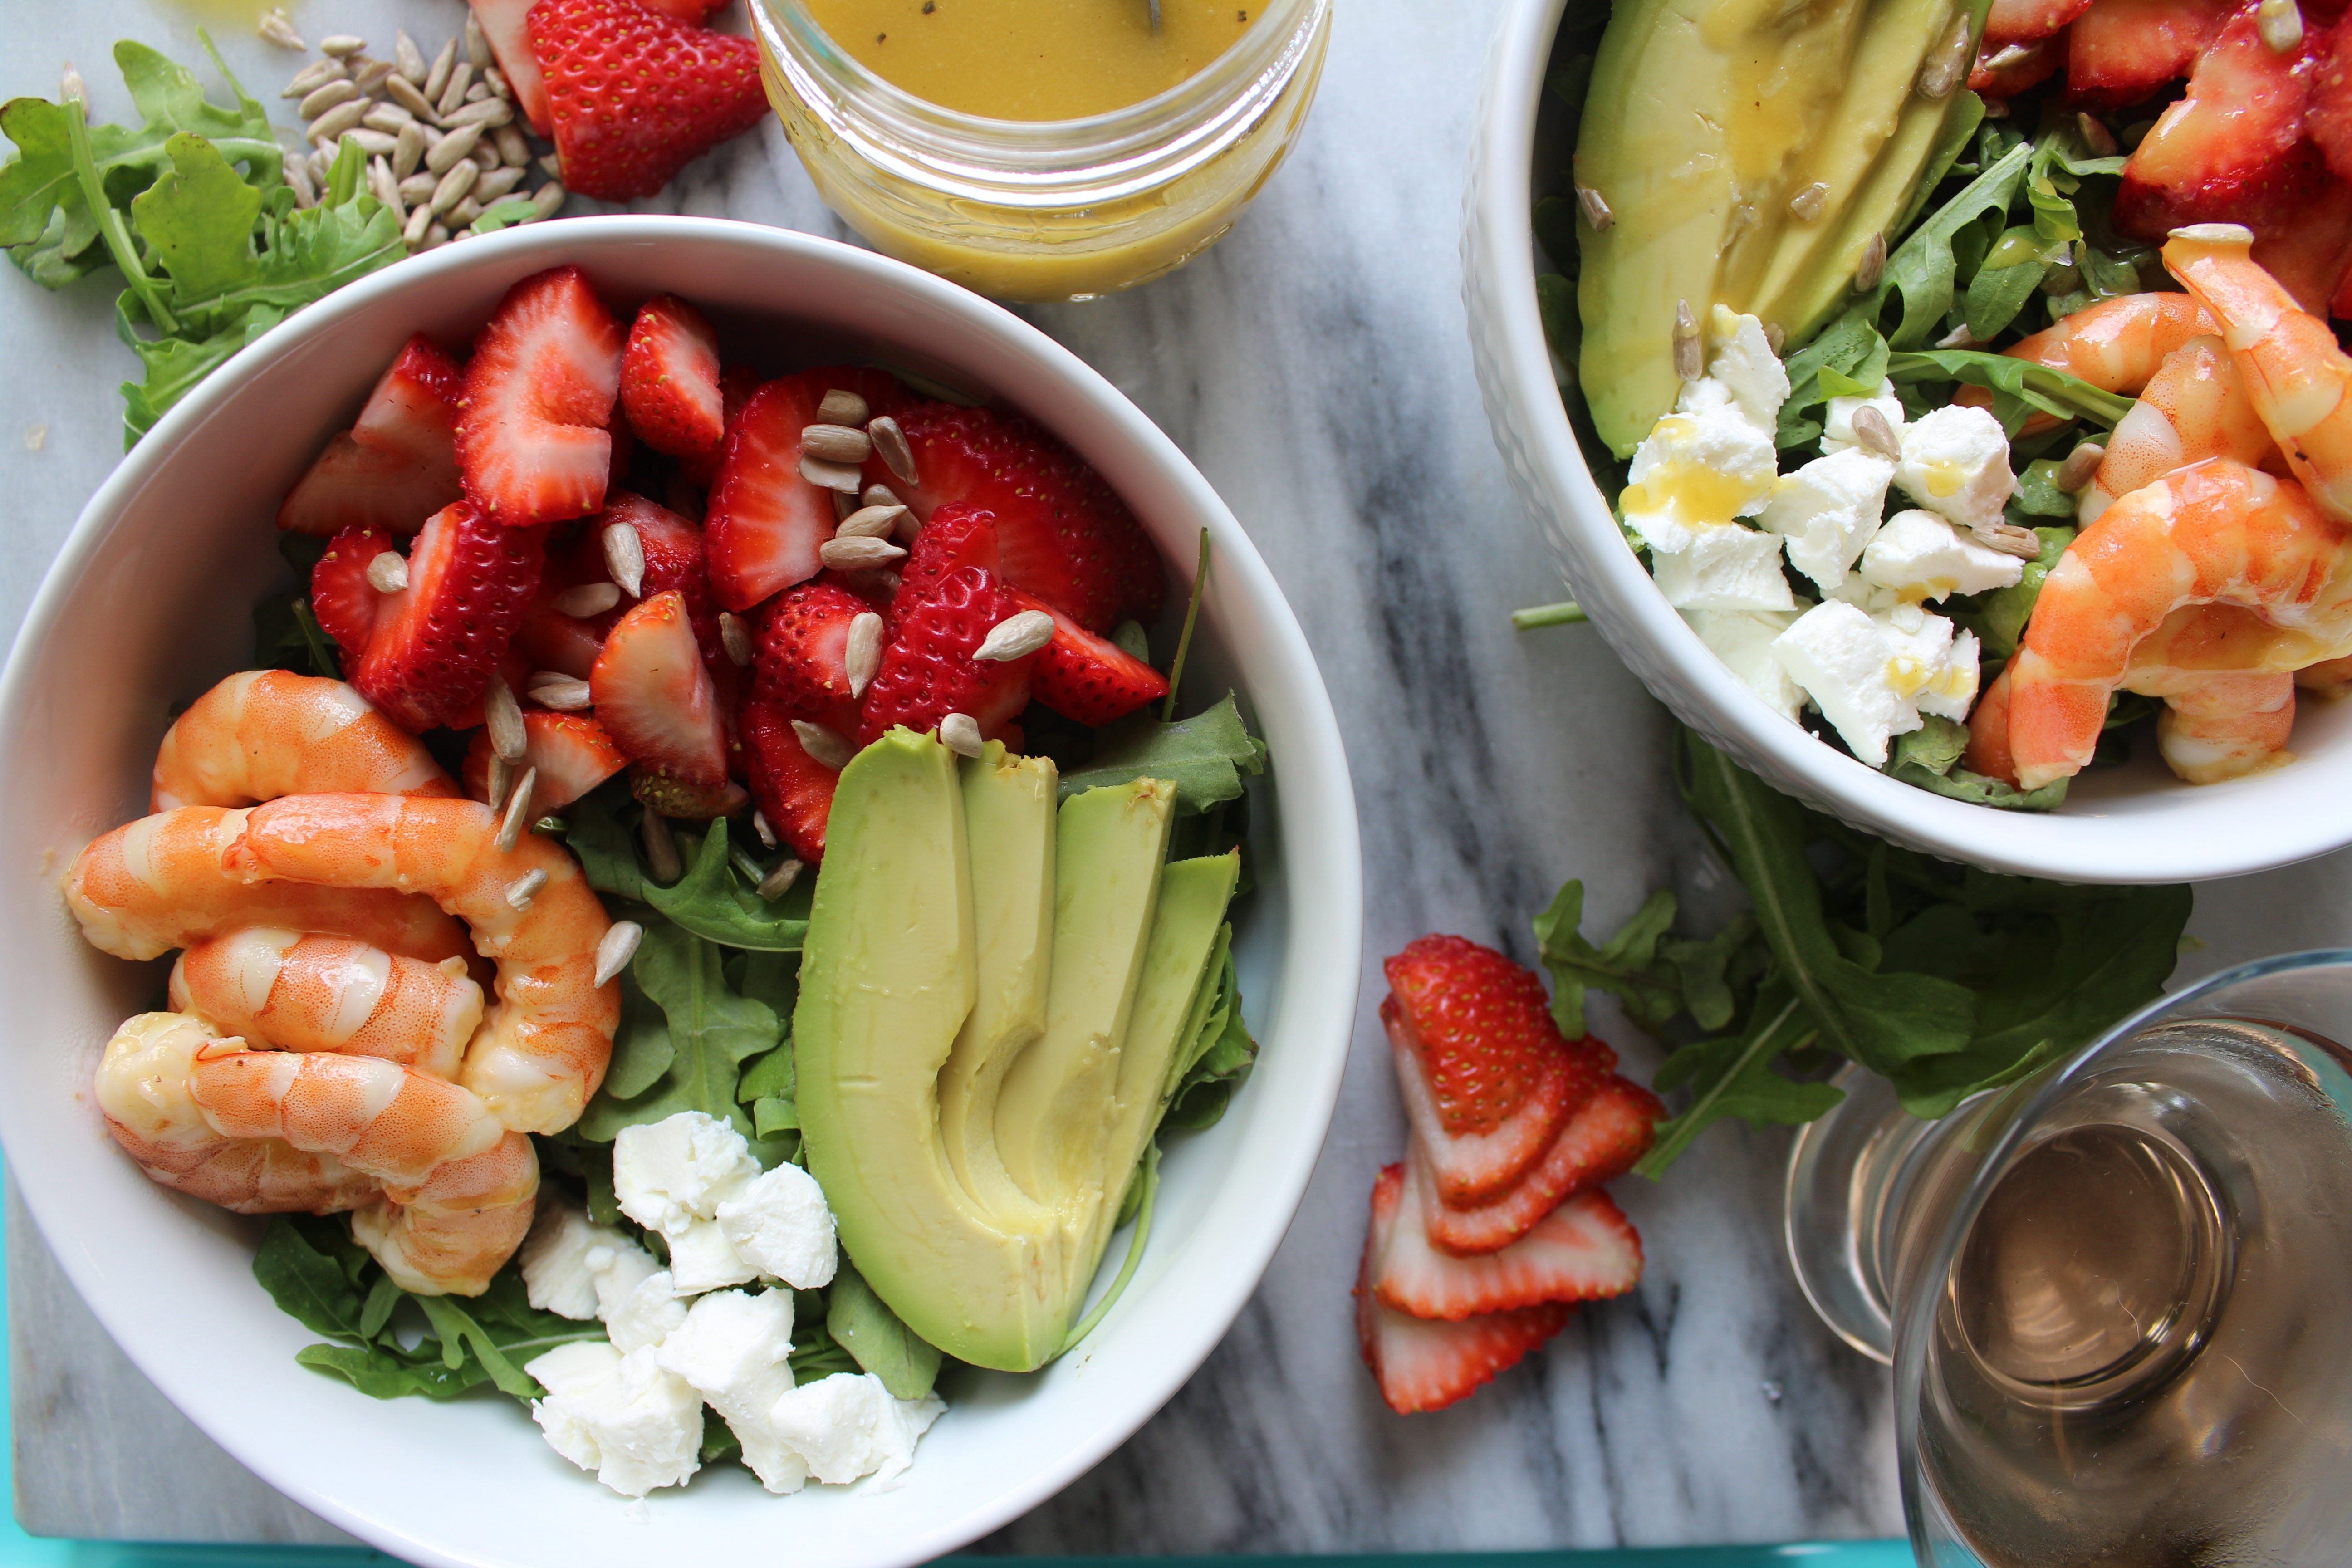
1313 763
2210 833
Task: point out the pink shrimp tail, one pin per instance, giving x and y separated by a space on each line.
1988 751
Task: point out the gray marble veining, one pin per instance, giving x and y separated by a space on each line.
1315 366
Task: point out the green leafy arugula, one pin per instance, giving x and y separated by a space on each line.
1220 1051
710 899
685 1038
1205 757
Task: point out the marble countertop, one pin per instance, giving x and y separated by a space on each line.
1316 366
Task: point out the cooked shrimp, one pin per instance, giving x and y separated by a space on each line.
2331 679
302 993
164 882
2194 407
1988 751
542 1050
2293 371
2218 531
457 1186
2217 727
262 733
2116 344
142 1087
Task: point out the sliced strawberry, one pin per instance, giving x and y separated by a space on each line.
435 642
398 465
2329 116
1423 1365
2025 21
1600 1142
955 536
341 597
2305 240
1086 677
737 382
565 644
929 672
635 95
2004 70
800 668
2119 52
766 522
504 29
531 437
654 698
795 791
2231 140
517 671
570 752
1480 1025
689 11
673 550
1062 533
1478 1167
1584 1250
669 379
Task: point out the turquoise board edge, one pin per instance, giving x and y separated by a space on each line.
20 1550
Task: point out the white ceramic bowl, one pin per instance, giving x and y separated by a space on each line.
2136 824
147 607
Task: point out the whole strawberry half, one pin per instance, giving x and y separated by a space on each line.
636 95
341 598
569 751
669 379
929 672
433 644
1584 1250
531 439
800 665
1425 1364
398 465
766 521
792 789
1089 679
1061 533
656 701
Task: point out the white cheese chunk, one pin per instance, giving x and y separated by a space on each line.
732 1349
1874 676
618 1267
1743 640
1837 421
1928 664
636 1425
679 1169
847 1425
647 1315
1922 556
1828 509
555 1272
702 1259
1956 464
1696 470
1743 363
780 1225
1725 567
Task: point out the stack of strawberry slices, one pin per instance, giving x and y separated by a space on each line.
1495 1226
833 555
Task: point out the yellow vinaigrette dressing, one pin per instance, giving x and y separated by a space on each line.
1040 149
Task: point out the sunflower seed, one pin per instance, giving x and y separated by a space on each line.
1596 209
417 189
1688 363
551 165
2095 135
375 143
71 88
760 826
404 95
388 572
1810 202
861 656
485 154
835 443
828 475
779 882
891 442
661 849
588 599
625 557
518 812
1960 337
478 91
825 748
437 75
313 77
1872 266
437 235
387 190
341 45
328 128
513 147
2010 540
1945 64
408 150
1774 336
859 554
496 80
869 521
548 198
388 118
463 215
843 406
563 693
477 47
1996 109
369 77
502 716
408 57
879 495
453 92
326 96
525 888
453 186
501 783
298 174
452 150
1016 636
1872 430
845 507
735 637
420 218
2075 473
276 27
615 948
318 162
488 112
959 733
456 235
2214 233
2279 22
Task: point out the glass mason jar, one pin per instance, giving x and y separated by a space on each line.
1053 209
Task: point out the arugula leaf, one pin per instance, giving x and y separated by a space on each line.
2019 386
305 1262
1734 1077
1205 756
711 1031
711 901
858 1321
1999 617
506 213
199 218
1221 1050
1626 967
1923 269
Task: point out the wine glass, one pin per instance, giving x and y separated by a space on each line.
2114 1294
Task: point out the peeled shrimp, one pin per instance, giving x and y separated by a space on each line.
164 882
2218 531
143 1091
450 1233
2115 344
302 993
542 1050
2293 371
2194 407
262 733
